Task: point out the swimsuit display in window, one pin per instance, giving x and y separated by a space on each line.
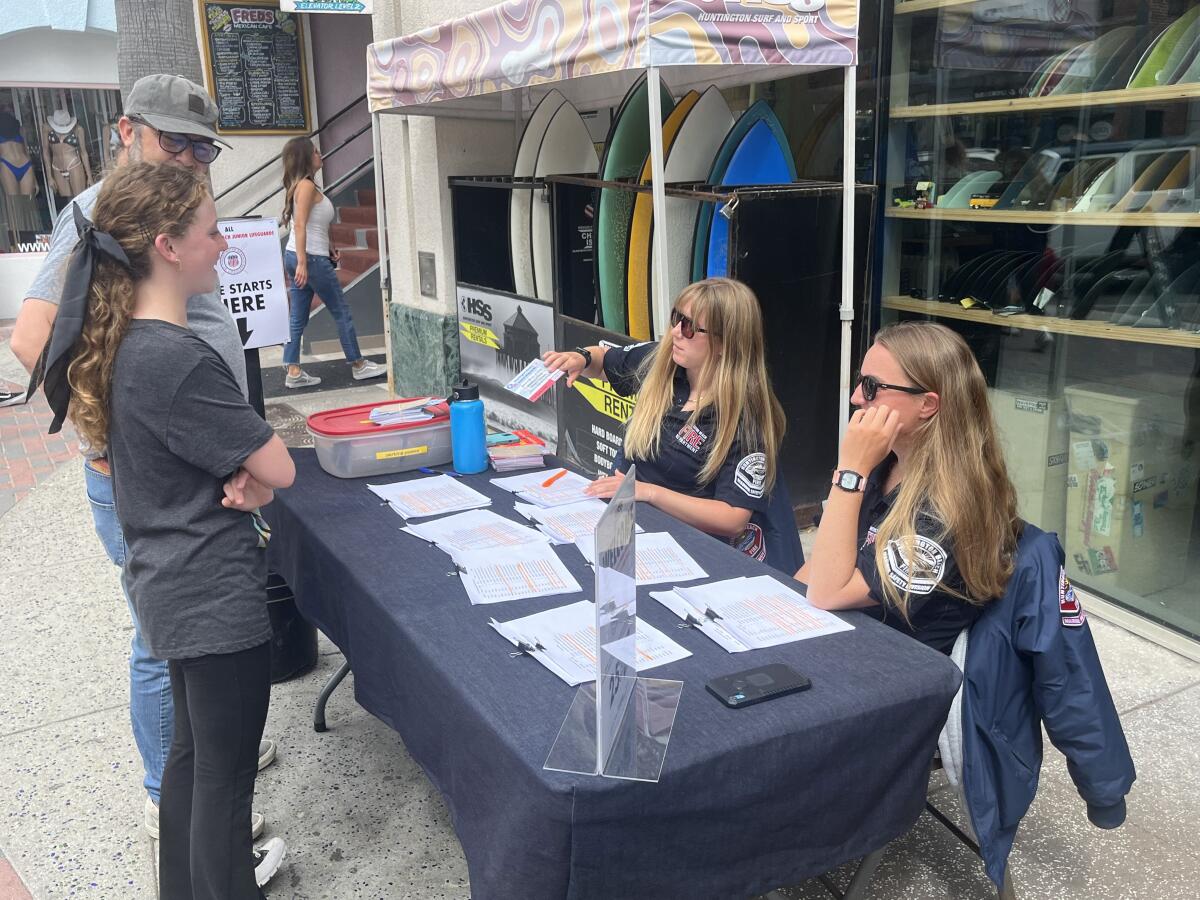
64 147
16 175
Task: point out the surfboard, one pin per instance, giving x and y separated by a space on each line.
775 166
1146 75
521 202
1183 55
566 149
637 283
1097 194
624 154
691 160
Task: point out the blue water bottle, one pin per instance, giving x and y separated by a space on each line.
468 435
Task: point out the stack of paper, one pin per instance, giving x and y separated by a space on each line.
564 641
518 450
477 529
534 380
403 412
750 613
429 496
660 559
566 524
528 570
549 487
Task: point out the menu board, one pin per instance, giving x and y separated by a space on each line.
256 68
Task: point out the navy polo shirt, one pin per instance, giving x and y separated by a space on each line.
936 615
683 450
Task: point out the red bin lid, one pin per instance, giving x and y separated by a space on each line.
355 421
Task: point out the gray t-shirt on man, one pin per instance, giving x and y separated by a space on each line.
207 315
179 427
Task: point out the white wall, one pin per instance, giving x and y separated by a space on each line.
17 271
420 153
43 56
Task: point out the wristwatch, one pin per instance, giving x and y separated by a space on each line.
849 480
586 354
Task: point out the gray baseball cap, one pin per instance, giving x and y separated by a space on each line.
172 103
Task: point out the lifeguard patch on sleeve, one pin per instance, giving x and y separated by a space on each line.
1069 607
751 475
920 574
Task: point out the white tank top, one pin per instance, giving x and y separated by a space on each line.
320 217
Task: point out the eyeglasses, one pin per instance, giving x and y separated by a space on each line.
203 151
871 386
687 325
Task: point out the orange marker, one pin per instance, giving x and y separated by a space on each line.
553 478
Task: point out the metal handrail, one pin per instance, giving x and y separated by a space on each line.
274 159
332 187
329 190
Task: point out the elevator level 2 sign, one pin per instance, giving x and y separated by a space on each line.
252 283
326 6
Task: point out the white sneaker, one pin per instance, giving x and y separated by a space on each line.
368 369
150 820
11 398
268 857
266 754
302 380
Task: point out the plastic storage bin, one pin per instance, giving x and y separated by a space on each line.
350 445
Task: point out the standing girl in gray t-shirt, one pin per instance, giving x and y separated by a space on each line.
175 425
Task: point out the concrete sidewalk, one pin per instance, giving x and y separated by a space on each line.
361 819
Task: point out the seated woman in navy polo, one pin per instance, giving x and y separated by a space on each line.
921 527
706 429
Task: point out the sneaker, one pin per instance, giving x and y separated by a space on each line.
268 857
150 819
302 380
368 369
11 398
266 754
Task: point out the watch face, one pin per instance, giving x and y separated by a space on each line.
849 481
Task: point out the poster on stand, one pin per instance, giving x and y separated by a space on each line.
591 414
252 284
498 335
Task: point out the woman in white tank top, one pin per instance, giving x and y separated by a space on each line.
310 260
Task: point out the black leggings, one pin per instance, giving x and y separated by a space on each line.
204 818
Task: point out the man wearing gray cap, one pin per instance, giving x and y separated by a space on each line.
169 121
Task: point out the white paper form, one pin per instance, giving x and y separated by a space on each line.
527 570
659 557
476 529
564 640
699 620
530 487
761 612
534 380
566 524
432 496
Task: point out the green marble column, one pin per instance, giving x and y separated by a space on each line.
424 351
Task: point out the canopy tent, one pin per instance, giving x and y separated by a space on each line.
500 61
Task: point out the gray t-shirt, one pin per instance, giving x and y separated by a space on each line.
178 429
207 315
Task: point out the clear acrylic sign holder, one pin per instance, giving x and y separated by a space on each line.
619 725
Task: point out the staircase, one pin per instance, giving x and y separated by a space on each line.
356 237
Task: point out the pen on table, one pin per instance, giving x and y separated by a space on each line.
429 471
553 478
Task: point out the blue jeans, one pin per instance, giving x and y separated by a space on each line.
150 705
322 278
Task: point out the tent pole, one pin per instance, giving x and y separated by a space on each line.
846 308
661 292
385 281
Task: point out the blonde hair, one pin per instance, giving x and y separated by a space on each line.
955 469
733 380
297 157
138 202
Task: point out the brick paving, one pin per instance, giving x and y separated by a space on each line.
28 455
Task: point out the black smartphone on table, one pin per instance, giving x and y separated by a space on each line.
756 685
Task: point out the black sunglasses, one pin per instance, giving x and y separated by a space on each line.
203 151
687 325
871 386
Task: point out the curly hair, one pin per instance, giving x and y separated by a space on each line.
137 203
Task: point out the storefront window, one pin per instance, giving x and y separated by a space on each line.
1041 190
54 143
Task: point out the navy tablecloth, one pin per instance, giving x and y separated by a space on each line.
748 800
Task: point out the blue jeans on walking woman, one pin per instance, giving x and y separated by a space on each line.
151 708
322 278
